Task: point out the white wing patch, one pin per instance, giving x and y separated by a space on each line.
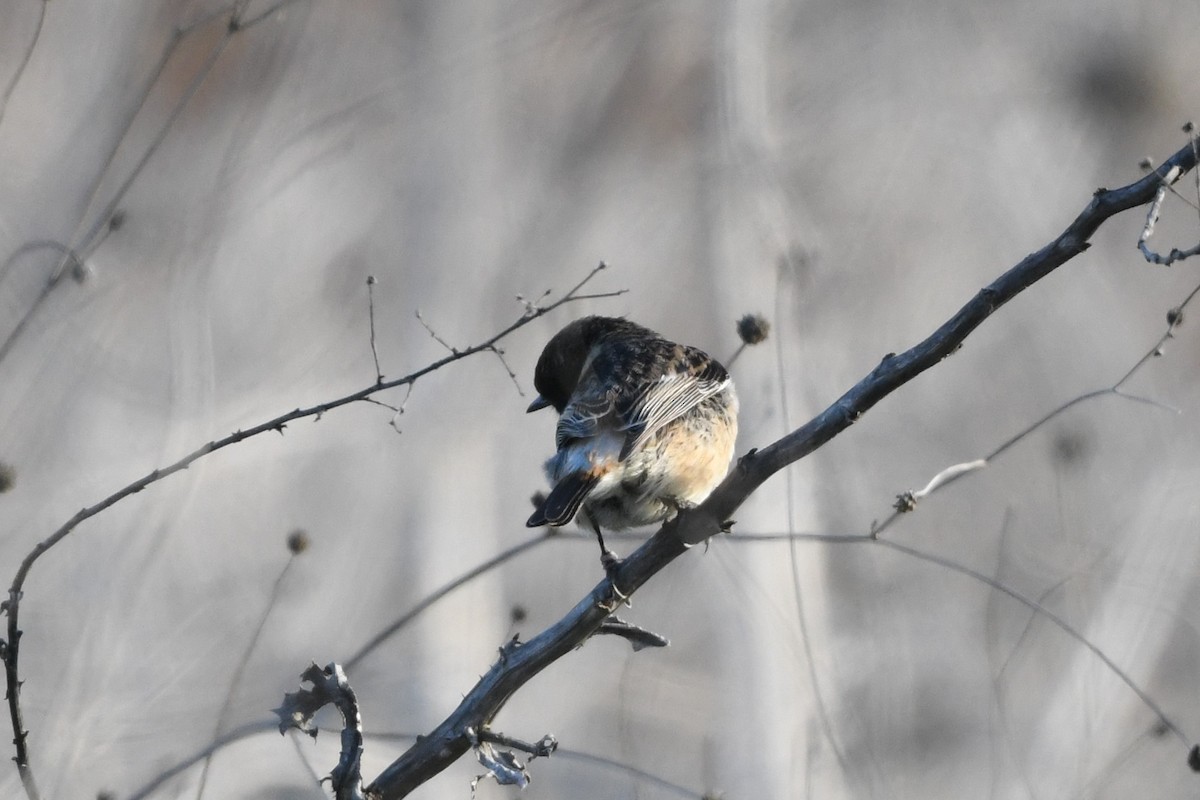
670 398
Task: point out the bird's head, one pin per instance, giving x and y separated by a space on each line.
563 358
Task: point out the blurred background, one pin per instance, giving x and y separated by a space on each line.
188 216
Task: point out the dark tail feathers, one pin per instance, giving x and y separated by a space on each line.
564 500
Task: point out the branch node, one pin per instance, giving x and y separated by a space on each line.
501 765
905 503
509 647
638 638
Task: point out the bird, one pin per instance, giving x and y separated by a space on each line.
646 426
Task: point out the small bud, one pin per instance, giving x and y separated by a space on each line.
518 614
1175 317
371 280
1188 127
80 272
8 477
117 220
1146 164
753 328
297 541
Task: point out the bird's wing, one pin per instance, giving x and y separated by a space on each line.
672 395
564 500
584 416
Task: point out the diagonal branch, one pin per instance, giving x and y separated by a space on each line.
519 664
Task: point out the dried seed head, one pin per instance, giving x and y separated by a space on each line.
298 541
753 328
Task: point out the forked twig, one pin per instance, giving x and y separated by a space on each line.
906 502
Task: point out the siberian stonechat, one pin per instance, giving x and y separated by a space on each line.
646 427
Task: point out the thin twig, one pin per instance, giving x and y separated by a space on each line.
433 333
298 741
507 368
1046 613
814 675
729 362
1033 605
371 323
907 501
404 619
238 734
235 680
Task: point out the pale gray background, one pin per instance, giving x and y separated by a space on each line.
854 170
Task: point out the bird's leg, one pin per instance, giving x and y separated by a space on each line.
607 557
611 564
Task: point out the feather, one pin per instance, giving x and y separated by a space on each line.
564 500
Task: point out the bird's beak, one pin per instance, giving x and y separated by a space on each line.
538 404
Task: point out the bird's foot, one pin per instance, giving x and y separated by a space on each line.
612 566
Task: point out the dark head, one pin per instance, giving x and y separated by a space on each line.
562 359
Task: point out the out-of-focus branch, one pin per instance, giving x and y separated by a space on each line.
519 663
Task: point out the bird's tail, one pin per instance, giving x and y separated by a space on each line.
564 500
